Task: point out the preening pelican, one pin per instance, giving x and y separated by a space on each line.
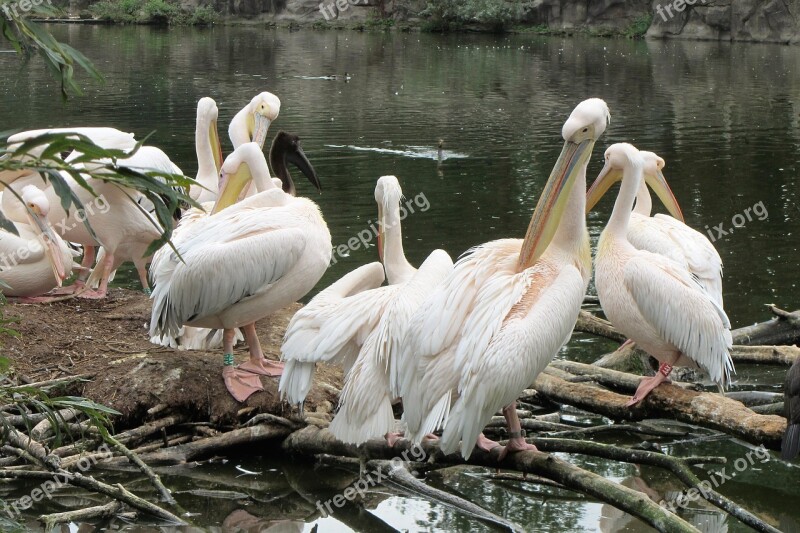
655 301
359 324
252 122
506 309
242 263
208 150
121 228
36 260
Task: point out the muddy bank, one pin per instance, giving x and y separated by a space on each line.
107 341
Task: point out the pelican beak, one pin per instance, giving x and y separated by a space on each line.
659 185
51 248
607 177
232 187
216 148
381 232
553 200
298 158
260 127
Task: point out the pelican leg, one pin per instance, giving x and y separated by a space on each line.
239 383
516 441
105 272
141 269
257 363
646 385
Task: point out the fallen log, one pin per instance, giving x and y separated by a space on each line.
81 515
669 401
784 329
766 355
312 441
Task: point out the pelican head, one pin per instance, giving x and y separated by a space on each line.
207 114
237 171
286 149
254 119
581 130
387 195
620 155
37 209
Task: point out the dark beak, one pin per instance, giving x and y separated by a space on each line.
298 158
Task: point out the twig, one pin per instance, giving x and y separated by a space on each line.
81 515
152 476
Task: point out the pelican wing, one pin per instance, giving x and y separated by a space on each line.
531 333
22 249
701 256
681 311
235 256
332 327
437 339
397 317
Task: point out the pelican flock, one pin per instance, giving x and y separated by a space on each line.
449 344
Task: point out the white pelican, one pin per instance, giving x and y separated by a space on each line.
36 260
359 324
655 301
505 311
208 150
671 237
242 263
252 122
120 226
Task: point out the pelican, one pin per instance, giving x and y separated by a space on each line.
209 152
252 122
36 260
242 263
119 224
671 237
360 325
506 309
285 149
655 301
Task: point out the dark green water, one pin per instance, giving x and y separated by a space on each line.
725 118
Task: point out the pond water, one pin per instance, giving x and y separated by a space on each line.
724 117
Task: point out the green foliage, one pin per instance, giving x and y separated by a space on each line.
42 154
29 39
203 16
639 27
153 12
495 15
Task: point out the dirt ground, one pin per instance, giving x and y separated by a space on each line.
107 340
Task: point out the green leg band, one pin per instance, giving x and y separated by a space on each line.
227 359
147 292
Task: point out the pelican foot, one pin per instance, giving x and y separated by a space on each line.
31 299
264 367
67 290
392 438
240 384
91 294
486 444
516 444
645 387
430 437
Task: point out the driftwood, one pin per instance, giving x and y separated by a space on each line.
101 511
312 441
784 329
669 401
